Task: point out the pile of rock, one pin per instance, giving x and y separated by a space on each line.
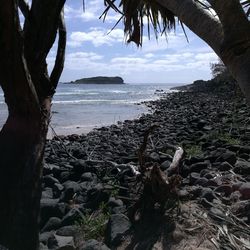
83 172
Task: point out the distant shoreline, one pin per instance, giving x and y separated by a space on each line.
99 80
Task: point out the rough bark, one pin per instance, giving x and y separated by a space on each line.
235 47
22 142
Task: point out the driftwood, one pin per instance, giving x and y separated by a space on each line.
159 186
174 166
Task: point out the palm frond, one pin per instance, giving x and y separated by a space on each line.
137 13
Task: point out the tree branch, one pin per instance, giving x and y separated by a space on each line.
197 19
60 57
40 34
24 7
14 76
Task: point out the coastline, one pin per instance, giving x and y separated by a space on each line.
212 129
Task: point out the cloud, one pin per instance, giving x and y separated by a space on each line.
96 36
82 60
93 11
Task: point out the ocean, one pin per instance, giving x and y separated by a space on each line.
80 108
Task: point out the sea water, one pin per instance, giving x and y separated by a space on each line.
78 108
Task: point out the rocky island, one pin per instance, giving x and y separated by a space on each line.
100 80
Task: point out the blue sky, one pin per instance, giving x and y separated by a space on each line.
91 51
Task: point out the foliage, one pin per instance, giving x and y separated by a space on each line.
135 13
193 150
93 225
226 137
220 72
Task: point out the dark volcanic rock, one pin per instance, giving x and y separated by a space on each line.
52 224
67 230
228 156
197 167
242 167
96 196
94 245
117 227
70 188
72 216
51 208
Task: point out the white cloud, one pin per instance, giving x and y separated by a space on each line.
93 10
96 36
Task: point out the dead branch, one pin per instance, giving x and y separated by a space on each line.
142 149
174 166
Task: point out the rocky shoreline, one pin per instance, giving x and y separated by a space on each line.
89 182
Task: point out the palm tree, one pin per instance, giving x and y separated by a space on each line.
223 24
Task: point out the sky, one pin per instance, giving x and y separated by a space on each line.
92 50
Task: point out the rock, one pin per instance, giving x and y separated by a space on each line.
242 167
94 245
119 210
228 156
244 149
41 247
201 182
235 196
165 165
242 209
201 123
96 196
208 194
223 189
49 180
44 237
65 176
70 189
183 194
67 230
50 168
197 167
244 156
245 190
72 216
114 202
57 190
193 177
86 185
117 227
236 185
52 224
47 194
154 157
225 166
64 243
51 208
88 177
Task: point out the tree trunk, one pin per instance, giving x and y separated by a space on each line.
22 142
28 91
228 34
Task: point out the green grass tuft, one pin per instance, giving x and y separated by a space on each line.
193 150
93 225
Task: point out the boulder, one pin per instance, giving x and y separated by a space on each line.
93 245
228 156
52 224
117 227
242 167
67 230
72 216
